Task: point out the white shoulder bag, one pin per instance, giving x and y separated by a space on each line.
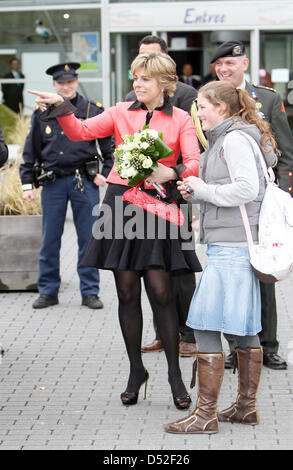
272 258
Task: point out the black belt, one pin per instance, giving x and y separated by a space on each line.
71 173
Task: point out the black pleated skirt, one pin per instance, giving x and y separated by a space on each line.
126 237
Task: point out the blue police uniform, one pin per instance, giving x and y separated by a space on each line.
47 143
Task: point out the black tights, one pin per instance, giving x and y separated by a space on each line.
158 282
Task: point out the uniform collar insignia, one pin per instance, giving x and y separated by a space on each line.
253 94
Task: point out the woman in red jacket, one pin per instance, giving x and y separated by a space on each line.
113 245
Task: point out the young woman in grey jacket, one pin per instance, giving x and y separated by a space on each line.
227 298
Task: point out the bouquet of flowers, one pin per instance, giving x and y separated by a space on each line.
137 156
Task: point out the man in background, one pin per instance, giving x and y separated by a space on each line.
13 93
187 76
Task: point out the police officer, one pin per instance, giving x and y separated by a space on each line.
230 63
69 173
183 286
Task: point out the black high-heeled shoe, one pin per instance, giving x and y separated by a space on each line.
182 403
130 398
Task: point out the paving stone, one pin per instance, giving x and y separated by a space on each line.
65 367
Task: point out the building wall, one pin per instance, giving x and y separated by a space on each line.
108 31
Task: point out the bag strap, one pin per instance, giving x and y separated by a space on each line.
244 216
242 206
268 174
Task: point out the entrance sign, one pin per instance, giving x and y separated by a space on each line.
199 15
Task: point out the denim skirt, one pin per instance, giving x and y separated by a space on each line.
227 297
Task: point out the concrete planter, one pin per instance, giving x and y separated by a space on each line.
20 244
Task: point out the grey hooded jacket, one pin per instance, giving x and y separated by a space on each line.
219 198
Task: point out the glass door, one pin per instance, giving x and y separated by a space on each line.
276 61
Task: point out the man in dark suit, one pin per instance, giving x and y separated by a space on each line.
187 76
183 285
13 93
230 63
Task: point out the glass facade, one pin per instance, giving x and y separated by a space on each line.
160 1
41 38
193 47
37 3
103 36
276 62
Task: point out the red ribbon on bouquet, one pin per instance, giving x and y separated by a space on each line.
148 203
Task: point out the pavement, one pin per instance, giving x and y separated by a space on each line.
65 366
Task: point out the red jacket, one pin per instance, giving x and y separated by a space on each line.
178 133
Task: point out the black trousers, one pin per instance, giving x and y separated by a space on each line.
183 289
268 335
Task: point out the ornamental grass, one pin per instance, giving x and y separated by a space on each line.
11 201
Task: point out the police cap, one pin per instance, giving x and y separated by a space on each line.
64 72
229 49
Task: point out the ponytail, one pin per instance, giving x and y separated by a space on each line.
239 103
248 113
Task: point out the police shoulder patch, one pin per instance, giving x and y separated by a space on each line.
265 87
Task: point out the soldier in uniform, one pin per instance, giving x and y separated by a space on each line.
230 63
183 286
70 172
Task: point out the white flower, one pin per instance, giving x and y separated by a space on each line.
126 157
150 133
129 146
144 145
137 139
147 163
130 172
123 174
153 133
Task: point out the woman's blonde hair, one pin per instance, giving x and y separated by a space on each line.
239 103
160 66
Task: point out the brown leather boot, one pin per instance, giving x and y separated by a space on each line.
204 419
249 370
